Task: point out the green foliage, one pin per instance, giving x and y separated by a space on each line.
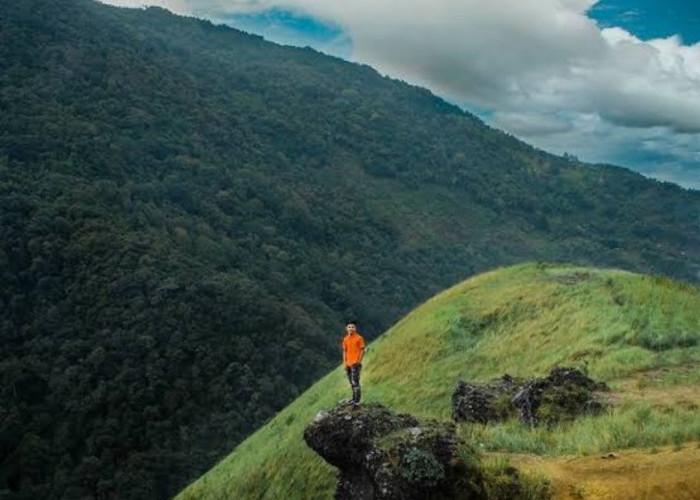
189 211
421 468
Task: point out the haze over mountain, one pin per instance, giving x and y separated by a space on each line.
189 213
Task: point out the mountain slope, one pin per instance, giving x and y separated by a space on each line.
189 214
522 321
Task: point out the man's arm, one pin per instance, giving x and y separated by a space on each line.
362 351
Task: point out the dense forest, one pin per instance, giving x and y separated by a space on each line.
189 213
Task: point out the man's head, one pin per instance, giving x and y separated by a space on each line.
351 326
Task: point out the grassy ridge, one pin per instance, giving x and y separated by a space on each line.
521 320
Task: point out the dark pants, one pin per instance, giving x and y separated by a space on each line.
354 378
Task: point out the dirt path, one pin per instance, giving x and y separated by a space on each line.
669 474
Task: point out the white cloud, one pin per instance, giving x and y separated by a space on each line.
541 66
529 124
177 6
655 152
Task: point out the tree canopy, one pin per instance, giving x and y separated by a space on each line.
189 213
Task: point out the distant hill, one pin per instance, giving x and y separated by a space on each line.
639 334
188 214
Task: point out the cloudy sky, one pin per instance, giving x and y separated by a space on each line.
613 81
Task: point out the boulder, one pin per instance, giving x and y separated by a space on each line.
564 394
484 403
384 455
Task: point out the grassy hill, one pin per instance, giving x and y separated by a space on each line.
639 334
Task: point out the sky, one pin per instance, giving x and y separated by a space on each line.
609 81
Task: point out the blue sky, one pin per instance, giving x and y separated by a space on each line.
293 28
651 18
610 81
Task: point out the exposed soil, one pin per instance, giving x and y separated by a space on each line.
668 474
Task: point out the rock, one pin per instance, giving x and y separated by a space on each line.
562 395
383 455
484 403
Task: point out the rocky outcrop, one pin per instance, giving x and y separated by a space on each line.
384 455
564 394
484 403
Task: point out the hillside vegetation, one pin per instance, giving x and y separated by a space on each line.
523 320
189 213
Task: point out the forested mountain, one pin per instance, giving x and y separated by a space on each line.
189 213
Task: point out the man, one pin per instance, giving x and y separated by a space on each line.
353 351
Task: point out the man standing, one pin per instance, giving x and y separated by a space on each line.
353 351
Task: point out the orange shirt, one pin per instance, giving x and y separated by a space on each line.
352 347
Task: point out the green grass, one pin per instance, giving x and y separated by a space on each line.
632 425
521 320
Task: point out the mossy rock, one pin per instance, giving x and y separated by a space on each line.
382 455
563 395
